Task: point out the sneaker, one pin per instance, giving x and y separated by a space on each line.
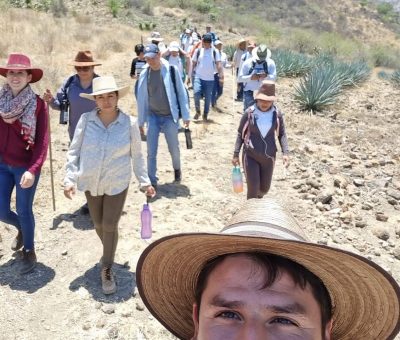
196 116
28 261
18 242
107 281
178 175
205 118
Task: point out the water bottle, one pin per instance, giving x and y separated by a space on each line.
64 112
237 180
188 137
145 216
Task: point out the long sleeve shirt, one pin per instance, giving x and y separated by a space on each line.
181 95
13 148
251 67
100 159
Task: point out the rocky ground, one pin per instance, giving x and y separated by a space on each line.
343 186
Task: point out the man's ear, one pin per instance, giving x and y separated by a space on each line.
195 317
328 330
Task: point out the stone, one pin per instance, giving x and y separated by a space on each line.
397 230
396 253
140 306
320 206
113 333
108 308
346 217
358 182
86 326
101 323
340 182
361 224
381 217
367 206
394 194
313 183
381 233
324 198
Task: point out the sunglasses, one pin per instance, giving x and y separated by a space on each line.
82 68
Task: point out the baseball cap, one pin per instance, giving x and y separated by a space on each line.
207 38
174 46
151 50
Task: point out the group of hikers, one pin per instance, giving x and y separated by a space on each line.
260 276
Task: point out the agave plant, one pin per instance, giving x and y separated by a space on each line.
395 78
229 50
291 64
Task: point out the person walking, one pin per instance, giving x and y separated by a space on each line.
161 103
23 149
137 64
236 63
114 136
175 55
257 129
205 60
254 71
218 88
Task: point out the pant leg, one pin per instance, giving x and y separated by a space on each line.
220 89
214 95
170 130
112 211
266 171
208 86
95 204
153 133
248 99
7 184
252 172
197 93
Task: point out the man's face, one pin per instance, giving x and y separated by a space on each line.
235 306
154 62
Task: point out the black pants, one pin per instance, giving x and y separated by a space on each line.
258 175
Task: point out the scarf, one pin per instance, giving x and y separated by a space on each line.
22 108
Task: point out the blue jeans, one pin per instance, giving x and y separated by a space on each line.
217 90
166 125
23 219
248 99
202 86
239 94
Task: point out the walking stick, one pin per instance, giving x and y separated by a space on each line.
51 160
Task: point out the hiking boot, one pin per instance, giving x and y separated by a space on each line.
178 175
107 281
28 261
196 116
18 242
205 117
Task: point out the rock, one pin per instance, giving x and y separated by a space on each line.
86 326
397 230
320 206
381 217
101 323
396 253
297 185
108 308
324 198
358 182
98 305
65 252
361 224
333 170
392 201
346 217
340 182
140 306
113 333
394 194
381 233
313 183
367 206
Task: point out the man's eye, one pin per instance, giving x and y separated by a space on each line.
229 315
284 321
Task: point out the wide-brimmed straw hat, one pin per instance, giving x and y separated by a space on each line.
266 91
365 298
261 52
84 58
155 36
19 61
105 84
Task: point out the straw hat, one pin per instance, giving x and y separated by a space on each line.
365 298
84 58
155 36
266 91
102 85
19 61
261 52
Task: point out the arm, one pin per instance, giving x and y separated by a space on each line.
271 70
182 97
243 76
133 69
55 101
39 151
282 135
239 140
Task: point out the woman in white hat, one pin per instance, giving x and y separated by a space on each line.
106 143
23 150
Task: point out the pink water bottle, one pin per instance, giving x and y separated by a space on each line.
145 216
237 180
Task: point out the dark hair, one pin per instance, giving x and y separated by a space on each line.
139 48
274 265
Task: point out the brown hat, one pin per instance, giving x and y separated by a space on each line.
84 58
19 61
266 91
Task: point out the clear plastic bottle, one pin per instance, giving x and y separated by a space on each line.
237 180
146 217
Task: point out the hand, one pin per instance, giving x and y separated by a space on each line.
141 130
235 161
262 76
27 180
150 191
69 191
286 161
186 123
47 96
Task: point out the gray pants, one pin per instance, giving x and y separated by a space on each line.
105 212
258 175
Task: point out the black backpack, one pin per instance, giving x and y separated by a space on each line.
173 77
253 65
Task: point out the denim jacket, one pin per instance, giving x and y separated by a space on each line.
143 98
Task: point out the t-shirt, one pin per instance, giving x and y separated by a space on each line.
263 119
137 66
206 64
158 99
177 61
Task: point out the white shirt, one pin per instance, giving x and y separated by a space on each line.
263 119
177 61
100 158
206 64
245 74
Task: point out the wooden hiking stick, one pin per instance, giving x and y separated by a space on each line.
51 159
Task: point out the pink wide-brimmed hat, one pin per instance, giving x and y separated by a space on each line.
19 61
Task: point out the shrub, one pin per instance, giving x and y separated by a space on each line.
385 56
291 64
114 6
230 50
395 78
58 8
203 6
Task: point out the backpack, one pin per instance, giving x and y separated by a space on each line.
253 65
65 88
198 54
173 77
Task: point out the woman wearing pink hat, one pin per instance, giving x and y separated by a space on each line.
23 150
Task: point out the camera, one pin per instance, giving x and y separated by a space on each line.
64 111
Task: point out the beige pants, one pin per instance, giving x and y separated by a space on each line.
105 212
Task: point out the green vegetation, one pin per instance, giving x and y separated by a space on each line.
395 78
291 64
230 50
114 6
147 26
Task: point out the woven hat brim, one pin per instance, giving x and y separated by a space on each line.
365 298
37 73
122 91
